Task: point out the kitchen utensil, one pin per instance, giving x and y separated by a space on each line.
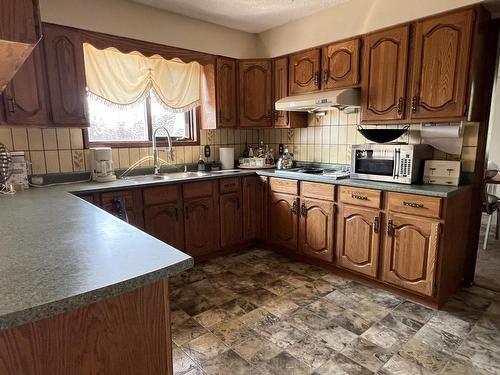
382 135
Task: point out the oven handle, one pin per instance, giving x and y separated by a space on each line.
397 161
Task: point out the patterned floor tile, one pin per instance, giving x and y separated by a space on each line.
187 331
439 339
302 296
424 355
238 307
341 365
351 321
285 364
397 365
367 354
341 299
211 317
204 347
281 333
279 287
232 332
257 349
259 317
281 306
183 364
305 320
227 363
259 296
325 308
385 338
335 336
414 311
311 351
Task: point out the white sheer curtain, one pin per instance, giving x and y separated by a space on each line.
123 79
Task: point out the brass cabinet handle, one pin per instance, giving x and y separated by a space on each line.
359 196
294 208
414 104
400 105
303 209
11 104
325 76
376 225
390 228
413 204
316 78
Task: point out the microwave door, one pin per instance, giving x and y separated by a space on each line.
374 165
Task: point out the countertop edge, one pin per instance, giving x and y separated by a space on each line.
40 312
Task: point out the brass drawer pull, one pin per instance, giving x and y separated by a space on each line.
359 196
376 225
294 208
413 204
303 209
390 228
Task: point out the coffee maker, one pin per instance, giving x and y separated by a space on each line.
101 159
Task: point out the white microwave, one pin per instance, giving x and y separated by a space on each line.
399 163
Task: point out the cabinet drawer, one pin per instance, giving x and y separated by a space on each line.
160 194
360 197
317 190
229 185
282 185
415 204
198 189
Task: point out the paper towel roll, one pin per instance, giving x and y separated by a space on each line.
447 138
227 157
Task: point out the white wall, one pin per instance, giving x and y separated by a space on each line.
137 21
493 145
348 19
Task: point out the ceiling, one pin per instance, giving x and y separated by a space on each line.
252 16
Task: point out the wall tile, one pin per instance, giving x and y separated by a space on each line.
37 159
351 134
144 152
76 138
134 154
35 140
20 139
116 158
78 160
52 161
6 137
63 139
342 140
65 161
88 164
334 154
124 157
471 133
49 139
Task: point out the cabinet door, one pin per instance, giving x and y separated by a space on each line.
359 239
165 222
385 58
305 71
201 226
340 64
410 253
317 228
283 220
254 208
281 119
66 75
231 220
441 64
125 205
226 92
19 21
256 106
25 97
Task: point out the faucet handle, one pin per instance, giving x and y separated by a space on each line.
185 168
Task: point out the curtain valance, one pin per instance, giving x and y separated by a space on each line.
123 79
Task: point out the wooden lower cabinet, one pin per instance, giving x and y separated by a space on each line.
255 208
165 222
201 225
358 239
124 204
410 254
283 220
317 226
231 220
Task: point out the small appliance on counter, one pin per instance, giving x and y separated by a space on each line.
392 162
101 159
286 160
442 172
19 177
227 157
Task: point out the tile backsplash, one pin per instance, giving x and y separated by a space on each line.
327 139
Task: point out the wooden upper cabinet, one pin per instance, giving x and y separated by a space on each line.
283 219
340 64
20 21
410 254
255 94
359 239
304 71
440 66
384 70
226 93
316 228
25 97
66 75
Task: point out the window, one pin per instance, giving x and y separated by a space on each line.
135 124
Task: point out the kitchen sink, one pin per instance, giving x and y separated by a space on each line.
226 171
148 177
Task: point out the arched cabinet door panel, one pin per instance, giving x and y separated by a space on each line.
411 249
304 71
441 65
340 65
385 59
283 219
359 239
226 93
166 222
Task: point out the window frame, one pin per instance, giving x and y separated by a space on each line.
193 125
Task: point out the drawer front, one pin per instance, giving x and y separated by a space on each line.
360 197
160 194
229 185
198 189
317 190
415 204
283 185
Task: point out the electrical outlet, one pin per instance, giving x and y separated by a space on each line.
281 149
207 151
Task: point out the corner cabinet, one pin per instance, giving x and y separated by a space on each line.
65 75
255 93
440 66
340 64
411 249
305 71
359 239
383 88
226 93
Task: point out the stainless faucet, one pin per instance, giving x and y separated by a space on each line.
156 163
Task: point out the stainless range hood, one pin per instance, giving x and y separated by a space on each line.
321 101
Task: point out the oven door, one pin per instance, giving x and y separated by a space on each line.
378 164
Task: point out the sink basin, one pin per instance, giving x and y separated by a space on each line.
148 177
226 171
